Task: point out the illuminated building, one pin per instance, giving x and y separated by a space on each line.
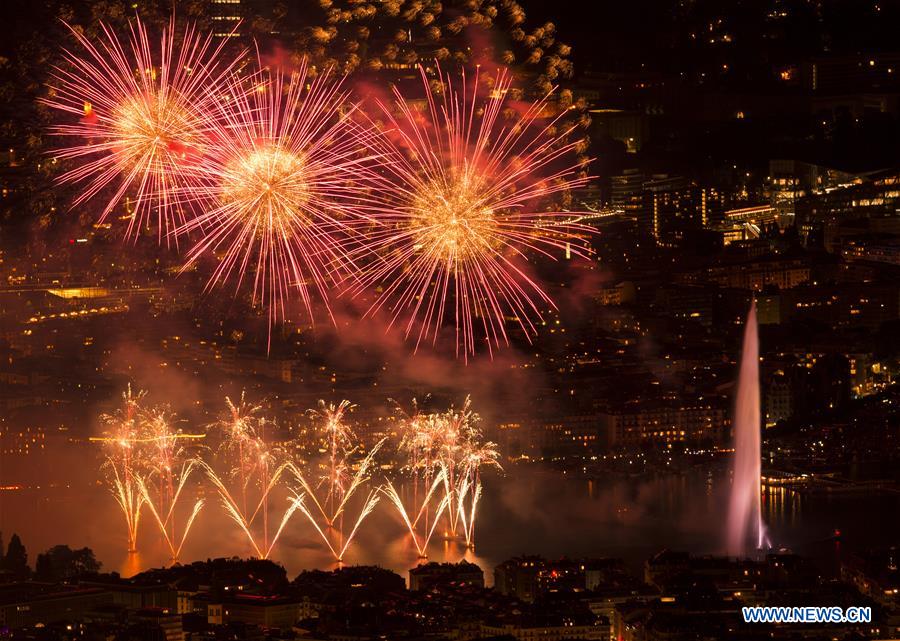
31 604
759 218
266 611
551 627
665 425
529 578
571 435
168 621
850 305
778 399
879 250
675 207
226 15
875 197
779 271
856 84
689 302
518 577
615 293
790 180
626 191
876 574
867 375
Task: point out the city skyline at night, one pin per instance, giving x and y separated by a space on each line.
470 319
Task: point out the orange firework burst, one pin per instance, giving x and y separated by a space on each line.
473 178
143 114
287 179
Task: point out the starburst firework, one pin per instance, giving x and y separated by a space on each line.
143 117
288 177
473 178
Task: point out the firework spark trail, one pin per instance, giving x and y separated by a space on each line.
455 436
474 454
432 441
369 505
270 482
162 462
288 513
231 507
339 440
421 509
160 429
124 460
127 493
261 546
254 464
241 426
340 487
143 454
470 188
288 178
360 478
175 545
338 553
144 114
467 513
449 442
460 491
422 437
310 492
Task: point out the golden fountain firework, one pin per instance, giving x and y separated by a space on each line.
339 483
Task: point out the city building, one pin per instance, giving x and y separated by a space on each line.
664 425
429 575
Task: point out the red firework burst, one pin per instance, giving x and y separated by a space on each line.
142 116
472 177
288 178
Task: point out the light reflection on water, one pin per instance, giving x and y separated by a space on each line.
523 512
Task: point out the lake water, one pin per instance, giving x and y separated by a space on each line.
522 512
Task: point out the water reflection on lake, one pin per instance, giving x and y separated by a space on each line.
522 512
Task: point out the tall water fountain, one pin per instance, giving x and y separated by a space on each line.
746 531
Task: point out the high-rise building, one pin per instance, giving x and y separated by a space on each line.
228 18
673 207
626 191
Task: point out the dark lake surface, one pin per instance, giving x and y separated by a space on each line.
523 511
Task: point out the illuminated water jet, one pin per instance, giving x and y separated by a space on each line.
745 513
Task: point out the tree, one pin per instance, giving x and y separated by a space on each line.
16 558
61 562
